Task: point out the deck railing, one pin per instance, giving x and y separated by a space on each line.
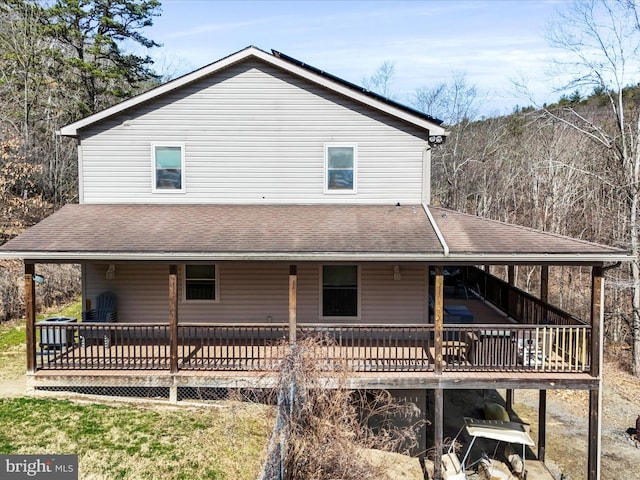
372 348
357 348
246 347
103 346
518 304
513 347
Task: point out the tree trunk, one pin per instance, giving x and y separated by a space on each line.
635 251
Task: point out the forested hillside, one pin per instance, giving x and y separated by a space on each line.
571 168
59 61
533 168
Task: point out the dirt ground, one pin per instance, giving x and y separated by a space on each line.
568 424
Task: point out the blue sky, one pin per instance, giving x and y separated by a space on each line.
490 41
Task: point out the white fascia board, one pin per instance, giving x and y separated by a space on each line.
436 258
538 258
205 256
72 130
433 128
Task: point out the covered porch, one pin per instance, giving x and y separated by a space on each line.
487 326
489 335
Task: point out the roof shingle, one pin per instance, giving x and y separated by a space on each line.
279 232
232 228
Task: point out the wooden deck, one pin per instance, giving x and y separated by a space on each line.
359 380
481 347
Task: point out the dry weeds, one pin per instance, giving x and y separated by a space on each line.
329 429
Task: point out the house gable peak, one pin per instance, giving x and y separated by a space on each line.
279 60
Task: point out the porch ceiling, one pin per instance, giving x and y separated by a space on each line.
290 232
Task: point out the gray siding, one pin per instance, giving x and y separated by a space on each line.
142 290
259 292
252 134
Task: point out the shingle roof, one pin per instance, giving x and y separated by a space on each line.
289 232
469 234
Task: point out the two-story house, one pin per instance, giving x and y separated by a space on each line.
260 198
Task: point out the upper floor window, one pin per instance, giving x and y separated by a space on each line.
200 282
168 168
340 168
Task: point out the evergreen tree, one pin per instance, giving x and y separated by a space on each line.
90 59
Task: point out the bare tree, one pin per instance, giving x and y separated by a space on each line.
380 81
600 41
459 161
453 101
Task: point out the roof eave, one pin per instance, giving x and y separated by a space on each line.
475 258
539 258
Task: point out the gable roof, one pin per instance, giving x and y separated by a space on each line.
292 233
284 62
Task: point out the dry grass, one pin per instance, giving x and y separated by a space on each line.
62 284
328 429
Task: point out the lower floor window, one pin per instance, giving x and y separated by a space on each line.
200 282
340 291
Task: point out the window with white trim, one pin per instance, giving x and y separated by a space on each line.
200 282
339 290
168 168
340 168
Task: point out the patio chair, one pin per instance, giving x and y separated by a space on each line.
105 311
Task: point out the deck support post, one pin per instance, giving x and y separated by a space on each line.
293 303
595 406
438 417
595 398
509 400
438 432
597 318
544 283
173 318
511 300
30 315
487 268
438 313
173 394
542 401
542 424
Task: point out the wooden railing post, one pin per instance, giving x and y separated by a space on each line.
511 298
293 300
438 320
173 318
595 398
597 316
30 315
544 283
544 292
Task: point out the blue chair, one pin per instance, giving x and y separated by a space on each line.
105 311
